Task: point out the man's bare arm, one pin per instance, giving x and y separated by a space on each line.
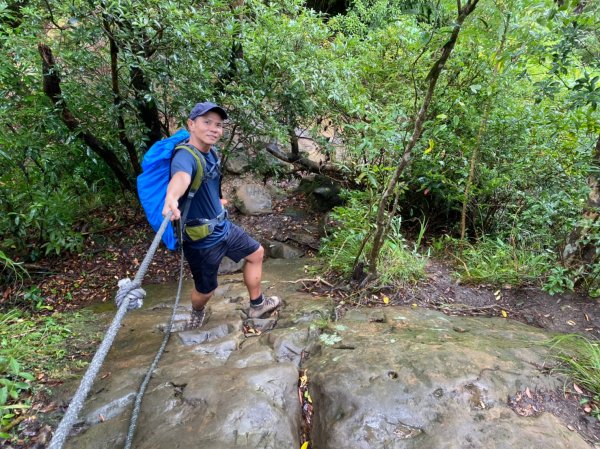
177 187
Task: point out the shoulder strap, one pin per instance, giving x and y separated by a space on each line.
216 154
200 165
197 181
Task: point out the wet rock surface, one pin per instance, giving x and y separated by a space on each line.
394 377
420 379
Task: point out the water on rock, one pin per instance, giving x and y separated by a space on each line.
385 378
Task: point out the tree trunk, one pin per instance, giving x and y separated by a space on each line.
118 101
432 77
474 156
577 250
480 134
147 109
53 91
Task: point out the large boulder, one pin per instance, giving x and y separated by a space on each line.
277 165
279 250
378 378
228 266
238 162
322 192
253 199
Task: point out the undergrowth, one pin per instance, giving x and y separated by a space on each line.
580 361
496 262
399 262
33 348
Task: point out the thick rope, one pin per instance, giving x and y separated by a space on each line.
67 422
140 394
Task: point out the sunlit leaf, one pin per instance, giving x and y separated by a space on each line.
430 147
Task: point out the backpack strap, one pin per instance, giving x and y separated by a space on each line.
197 181
200 164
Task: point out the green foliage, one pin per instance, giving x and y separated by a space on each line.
400 264
585 275
31 344
14 382
518 98
267 166
11 272
559 280
580 357
497 262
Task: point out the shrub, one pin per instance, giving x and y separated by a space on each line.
494 261
399 263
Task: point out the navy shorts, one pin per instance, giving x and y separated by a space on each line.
204 262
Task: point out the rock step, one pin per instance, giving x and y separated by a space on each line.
388 378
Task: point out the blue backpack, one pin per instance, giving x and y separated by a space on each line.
156 174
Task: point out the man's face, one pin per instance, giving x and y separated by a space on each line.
205 130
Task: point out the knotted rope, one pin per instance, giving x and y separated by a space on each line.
131 291
140 394
129 296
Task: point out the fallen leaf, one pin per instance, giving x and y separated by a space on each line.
304 445
303 380
587 409
386 300
570 427
577 389
571 323
504 314
587 318
528 393
307 396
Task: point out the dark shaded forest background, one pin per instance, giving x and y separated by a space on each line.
500 165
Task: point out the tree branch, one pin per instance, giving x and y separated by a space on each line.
432 77
118 100
52 89
303 163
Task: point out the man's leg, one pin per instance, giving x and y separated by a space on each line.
199 300
253 272
242 246
198 313
204 264
259 305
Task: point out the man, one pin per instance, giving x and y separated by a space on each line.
206 211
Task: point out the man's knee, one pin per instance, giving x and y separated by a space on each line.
256 256
201 297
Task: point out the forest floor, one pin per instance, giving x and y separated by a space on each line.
77 281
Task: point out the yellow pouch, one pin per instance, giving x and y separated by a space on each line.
199 231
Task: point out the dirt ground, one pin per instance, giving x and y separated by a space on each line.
77 281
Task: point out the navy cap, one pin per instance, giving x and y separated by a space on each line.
203 108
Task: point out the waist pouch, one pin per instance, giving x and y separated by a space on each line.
199 228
